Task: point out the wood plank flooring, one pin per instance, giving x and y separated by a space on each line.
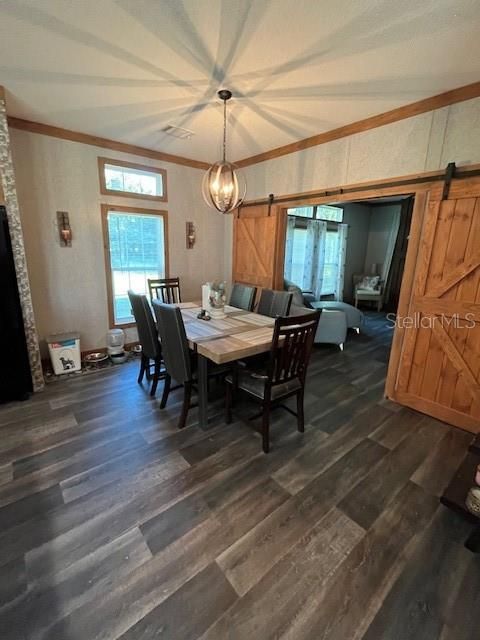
114 524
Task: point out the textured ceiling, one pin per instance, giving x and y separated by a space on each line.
123 69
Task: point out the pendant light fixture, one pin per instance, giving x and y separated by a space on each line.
224 186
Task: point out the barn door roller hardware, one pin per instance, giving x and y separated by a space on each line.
270 202
449 175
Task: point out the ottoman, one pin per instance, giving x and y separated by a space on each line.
353 316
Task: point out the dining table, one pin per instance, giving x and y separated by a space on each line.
238 335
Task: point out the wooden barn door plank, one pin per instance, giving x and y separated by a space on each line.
439 365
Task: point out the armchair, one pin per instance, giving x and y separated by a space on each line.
368 288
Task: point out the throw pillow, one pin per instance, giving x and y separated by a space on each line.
369 283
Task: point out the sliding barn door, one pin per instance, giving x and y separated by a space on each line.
439 365
258 246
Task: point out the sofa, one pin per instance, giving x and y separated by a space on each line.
332 326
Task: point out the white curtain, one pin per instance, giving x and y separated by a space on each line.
392 239
342 252
289 247
311 275
315 256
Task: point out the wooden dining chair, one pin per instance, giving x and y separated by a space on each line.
243 296
148 338
179 361
284 375
165 289
274 303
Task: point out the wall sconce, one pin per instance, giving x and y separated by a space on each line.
64 229
191 236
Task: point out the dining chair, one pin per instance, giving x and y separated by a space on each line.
242 296
284 375
148 338
165 289
179 361
274 303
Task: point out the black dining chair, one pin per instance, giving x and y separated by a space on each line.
148 338
242 296
284 375
274 303
179 361
165 289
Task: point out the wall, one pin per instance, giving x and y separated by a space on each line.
357 216
68 284
422 143
381 223
426 142
9 195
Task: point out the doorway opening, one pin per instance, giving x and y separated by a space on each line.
349 257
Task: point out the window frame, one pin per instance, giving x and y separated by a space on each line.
104 190
105 209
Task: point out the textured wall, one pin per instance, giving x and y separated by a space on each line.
15 226
69 284
423 143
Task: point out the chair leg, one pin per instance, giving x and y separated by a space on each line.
266 427
187 394
300 414
155 377
143 368
166 391
228 403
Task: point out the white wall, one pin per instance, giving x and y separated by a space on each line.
357 216
69 284
422 143
381 227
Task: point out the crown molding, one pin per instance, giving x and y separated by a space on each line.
105 143
445 99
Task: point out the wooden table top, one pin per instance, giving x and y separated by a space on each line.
239 335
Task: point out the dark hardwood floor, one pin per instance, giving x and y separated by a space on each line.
114 524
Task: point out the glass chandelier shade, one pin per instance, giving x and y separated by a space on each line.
224 186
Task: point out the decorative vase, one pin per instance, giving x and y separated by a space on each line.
217 300
473 501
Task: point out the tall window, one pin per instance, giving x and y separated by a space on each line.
327 273
298 254
132 180
135 245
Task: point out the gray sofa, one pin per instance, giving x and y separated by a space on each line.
335 320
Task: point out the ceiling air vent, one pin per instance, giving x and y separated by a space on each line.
177 132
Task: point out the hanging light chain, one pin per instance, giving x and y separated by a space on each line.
224 129
223 187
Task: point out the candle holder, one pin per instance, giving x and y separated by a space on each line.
64 229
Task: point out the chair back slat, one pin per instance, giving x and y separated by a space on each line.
291 348
243 296
175 351
165 289
274 303
146 329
